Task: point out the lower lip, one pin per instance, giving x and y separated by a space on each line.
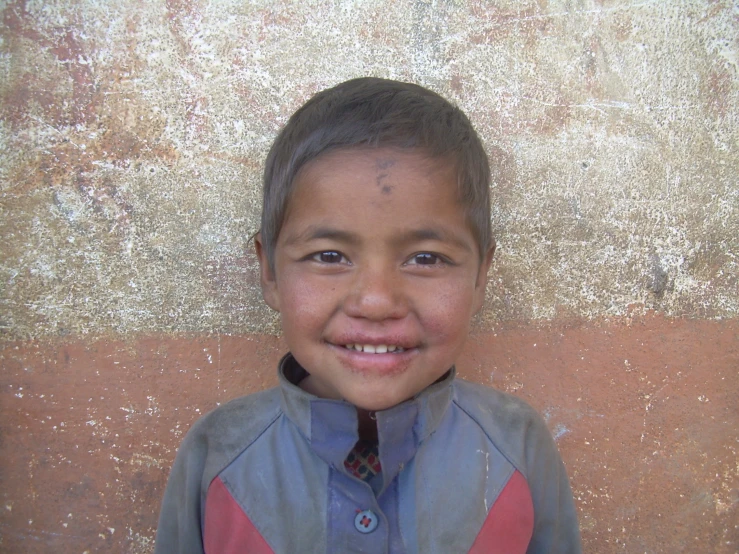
390 363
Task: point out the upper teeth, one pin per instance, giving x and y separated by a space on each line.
375 348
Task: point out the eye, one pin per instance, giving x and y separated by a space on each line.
329 257
425 258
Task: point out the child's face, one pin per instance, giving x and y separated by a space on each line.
375 253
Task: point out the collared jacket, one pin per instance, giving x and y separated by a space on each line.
465 468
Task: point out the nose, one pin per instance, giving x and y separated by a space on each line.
377 294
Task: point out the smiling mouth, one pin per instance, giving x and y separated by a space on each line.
375 348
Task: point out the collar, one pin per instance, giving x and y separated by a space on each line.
330 426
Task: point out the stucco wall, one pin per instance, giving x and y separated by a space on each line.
131 141
133 134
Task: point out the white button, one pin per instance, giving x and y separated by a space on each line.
366 521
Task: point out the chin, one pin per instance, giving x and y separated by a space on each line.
376 404
374 407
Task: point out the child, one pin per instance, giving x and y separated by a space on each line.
374 247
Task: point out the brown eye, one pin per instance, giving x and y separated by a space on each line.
425 258
329 257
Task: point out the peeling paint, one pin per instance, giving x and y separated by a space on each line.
133 138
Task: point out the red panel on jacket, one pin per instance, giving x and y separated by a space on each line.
227 528
507 528
510 522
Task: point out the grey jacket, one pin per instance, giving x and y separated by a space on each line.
465 468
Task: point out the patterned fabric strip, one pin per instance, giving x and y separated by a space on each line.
364 460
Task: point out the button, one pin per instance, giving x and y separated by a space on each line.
366 521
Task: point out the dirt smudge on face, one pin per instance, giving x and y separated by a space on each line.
383 166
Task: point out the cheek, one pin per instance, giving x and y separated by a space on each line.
448 313
302 302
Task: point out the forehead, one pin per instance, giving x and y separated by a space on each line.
375 193
386 167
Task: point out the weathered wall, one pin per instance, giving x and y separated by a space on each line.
133 135
131 140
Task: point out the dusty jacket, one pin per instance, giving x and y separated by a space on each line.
465 468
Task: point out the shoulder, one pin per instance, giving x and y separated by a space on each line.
221 435
209 446
494 409
511 424
519 433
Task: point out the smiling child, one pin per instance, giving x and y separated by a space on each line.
374 248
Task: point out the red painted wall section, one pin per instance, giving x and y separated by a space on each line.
644 412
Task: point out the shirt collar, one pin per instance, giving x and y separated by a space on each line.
330 426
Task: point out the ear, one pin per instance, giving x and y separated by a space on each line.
482 279
266 276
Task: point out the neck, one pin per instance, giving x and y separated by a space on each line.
367 421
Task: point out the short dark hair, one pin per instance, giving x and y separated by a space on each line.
373 112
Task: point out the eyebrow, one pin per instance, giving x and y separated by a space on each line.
434 234
317 232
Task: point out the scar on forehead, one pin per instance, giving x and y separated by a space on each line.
383 164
